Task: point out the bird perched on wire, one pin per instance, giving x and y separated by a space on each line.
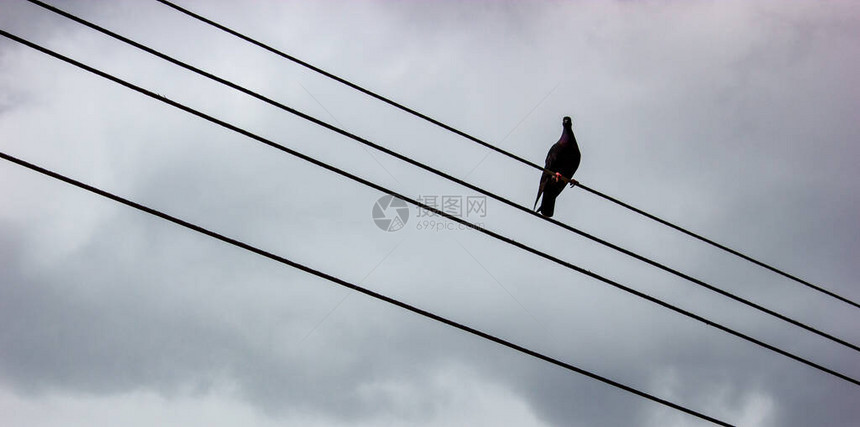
561 162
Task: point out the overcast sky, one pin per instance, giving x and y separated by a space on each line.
735 119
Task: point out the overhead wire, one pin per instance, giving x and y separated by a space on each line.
445 175
414 202
357 288
722 247
501 151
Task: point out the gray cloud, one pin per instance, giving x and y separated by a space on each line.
734 119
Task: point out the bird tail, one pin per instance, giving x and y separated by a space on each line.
540 190
547 205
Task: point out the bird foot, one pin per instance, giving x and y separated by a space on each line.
573 182
557 177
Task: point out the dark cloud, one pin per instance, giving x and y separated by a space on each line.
733 119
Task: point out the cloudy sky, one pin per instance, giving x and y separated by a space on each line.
735 119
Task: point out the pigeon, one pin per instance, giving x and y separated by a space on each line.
562 160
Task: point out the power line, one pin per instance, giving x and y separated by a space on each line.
443 174
461 221
357 288
498 150
720 246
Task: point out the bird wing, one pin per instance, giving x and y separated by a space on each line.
543 180
552 158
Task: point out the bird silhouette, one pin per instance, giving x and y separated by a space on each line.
561 162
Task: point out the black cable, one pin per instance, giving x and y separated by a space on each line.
493 147
441 174
356 288
458 220
718 245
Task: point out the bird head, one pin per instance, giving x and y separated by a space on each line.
566 122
